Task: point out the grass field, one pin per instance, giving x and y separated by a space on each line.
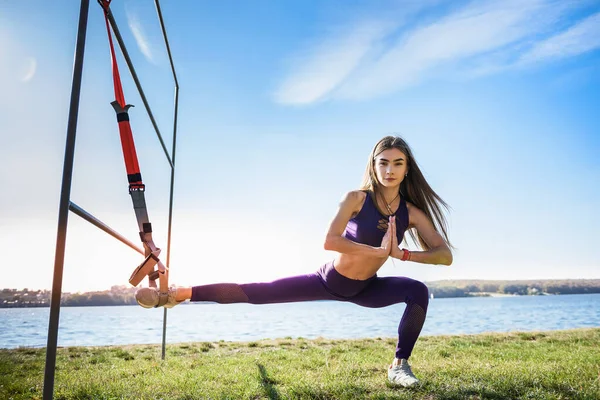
532 365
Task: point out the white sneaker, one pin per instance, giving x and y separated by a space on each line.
401 375
148 297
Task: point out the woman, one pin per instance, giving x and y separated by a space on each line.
367 229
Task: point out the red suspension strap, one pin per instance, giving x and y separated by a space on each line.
122 109
136 186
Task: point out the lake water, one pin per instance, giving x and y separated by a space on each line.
118 325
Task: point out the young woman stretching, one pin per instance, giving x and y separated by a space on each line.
367 229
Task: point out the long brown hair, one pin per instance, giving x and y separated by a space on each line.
414 188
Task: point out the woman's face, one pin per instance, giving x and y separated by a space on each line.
391 167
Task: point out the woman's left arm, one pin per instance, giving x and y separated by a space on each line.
438 252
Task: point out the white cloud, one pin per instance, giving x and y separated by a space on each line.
329 64
16 65
319 70
458 36
580 38
491 35
140 36
28 69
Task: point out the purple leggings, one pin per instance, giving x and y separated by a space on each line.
328 284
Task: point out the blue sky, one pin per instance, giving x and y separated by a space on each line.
280 105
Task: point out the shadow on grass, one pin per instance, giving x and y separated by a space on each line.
268 384
339 392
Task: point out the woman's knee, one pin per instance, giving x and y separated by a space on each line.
419 293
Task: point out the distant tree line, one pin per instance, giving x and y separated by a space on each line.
98 299
24 298
465 288
125 295
116 296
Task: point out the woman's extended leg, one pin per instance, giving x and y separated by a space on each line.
293 289
297 288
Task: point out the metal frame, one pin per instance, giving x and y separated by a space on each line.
67 205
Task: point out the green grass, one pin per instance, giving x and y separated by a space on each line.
532 365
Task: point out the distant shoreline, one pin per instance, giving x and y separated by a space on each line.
125 295
47 305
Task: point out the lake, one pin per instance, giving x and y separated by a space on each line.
119 325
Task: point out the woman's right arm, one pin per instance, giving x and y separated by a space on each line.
334 241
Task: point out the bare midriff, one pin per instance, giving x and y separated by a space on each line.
358 267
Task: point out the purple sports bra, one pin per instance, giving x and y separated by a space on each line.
369 225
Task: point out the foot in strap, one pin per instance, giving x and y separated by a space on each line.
149 297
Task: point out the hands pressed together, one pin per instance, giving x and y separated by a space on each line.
389 244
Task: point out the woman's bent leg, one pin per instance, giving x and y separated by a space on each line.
297 288
386 291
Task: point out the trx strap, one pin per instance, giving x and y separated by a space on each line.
151 267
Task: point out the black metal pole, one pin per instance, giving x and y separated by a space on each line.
164 32
171 208
176 105
99 224
65 194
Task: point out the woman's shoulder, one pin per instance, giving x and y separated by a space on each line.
414 214
412 209
354 199
355 196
